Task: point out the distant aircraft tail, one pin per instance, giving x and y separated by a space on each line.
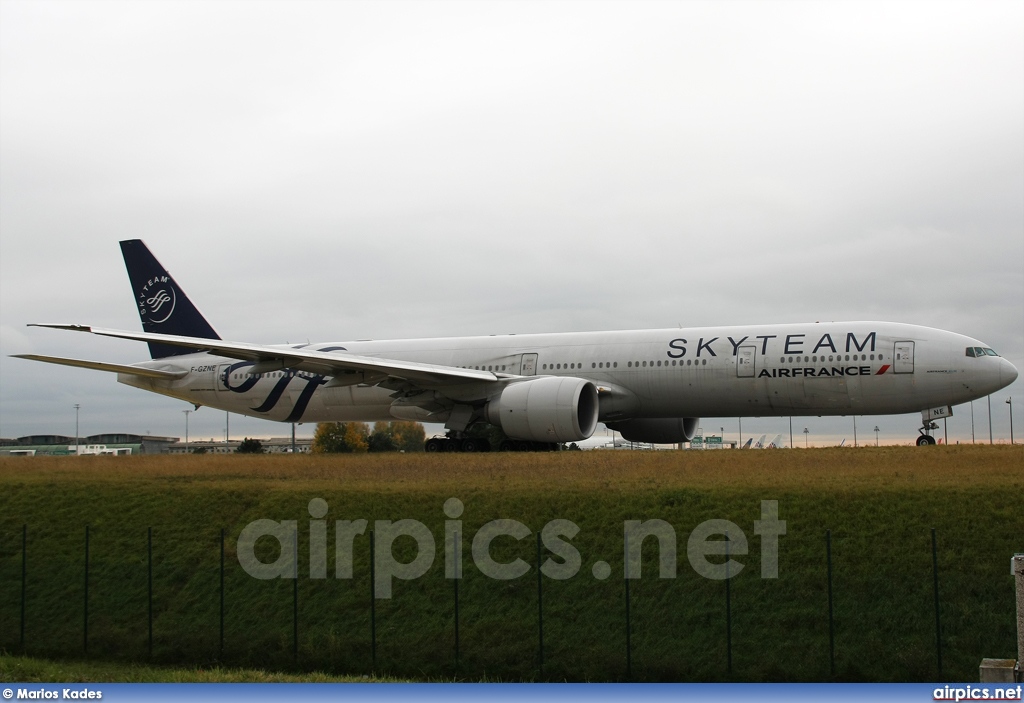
163 305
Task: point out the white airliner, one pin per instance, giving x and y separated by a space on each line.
543 389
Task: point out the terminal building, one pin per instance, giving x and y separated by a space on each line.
274 445
61 445
128 444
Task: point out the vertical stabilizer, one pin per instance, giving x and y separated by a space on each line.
163 305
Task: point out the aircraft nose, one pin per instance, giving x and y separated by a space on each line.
1007 373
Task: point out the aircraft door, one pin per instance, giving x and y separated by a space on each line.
529 367
220 378
745 362
903 357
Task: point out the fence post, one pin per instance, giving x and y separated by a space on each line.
295 598
1018 572
831 620
728 609
24 576
455 554
149 589
85 604
222 593
373 603
938 624
629 639
540 612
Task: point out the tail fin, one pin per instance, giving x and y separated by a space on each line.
163 305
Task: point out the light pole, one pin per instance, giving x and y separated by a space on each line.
854 430
740 445
76 428
876 435
790 431
722 430
1009 401
972 422
805 437
186 429
990 420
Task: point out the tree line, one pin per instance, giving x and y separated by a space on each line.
358 438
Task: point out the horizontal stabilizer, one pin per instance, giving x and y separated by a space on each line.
103 366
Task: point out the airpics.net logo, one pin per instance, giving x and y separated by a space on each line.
711 547
157 300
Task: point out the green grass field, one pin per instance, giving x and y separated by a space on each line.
880 505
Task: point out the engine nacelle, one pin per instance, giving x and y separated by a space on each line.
657 430
546 409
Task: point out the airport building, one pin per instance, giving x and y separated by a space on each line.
61 445
119 444
274 445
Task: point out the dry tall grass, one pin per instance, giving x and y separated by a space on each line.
977 466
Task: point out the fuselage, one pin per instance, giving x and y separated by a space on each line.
844 368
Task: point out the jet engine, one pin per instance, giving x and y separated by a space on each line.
546 409
657 430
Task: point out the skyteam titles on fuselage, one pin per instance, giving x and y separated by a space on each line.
794 344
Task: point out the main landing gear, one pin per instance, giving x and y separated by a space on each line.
455 444
478 444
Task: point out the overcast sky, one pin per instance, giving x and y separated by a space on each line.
343 170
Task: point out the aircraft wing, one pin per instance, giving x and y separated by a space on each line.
104 366
339 364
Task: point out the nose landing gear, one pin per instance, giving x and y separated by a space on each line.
926 440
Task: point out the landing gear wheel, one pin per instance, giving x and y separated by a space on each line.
472 445
453 445
507 445
925 440
434 446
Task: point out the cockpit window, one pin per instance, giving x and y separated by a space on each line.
976 352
